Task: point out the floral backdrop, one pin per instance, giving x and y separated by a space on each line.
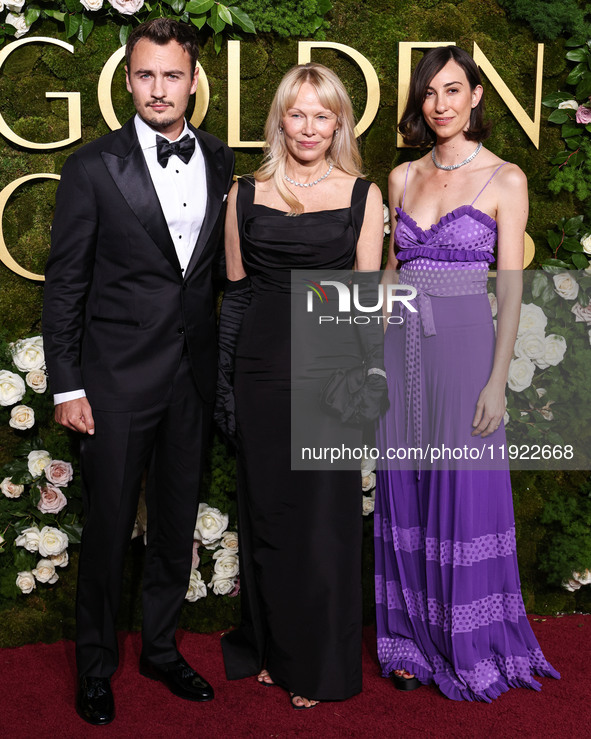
40 499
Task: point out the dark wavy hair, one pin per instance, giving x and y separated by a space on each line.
162 30
412 126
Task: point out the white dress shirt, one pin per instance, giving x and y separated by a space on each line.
182 191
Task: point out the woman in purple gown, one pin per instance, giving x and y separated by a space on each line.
449 605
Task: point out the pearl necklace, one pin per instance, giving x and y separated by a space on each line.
311 184
449 167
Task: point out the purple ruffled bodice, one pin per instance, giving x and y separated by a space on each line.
465 234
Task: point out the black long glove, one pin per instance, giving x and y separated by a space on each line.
234 303
360 395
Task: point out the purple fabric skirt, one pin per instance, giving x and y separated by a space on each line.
449 604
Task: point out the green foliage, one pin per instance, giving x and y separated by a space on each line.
289 17
78 22
569 550
550 19
572 166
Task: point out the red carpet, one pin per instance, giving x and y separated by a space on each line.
37 685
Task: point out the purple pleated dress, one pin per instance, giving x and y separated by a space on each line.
449 604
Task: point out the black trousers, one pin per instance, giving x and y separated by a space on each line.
170 438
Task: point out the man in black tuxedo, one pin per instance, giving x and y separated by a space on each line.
129 329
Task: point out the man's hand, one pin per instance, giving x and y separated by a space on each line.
75 415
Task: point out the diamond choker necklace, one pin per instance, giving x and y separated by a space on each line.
449 167
311 184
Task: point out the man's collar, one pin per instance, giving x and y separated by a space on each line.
147 135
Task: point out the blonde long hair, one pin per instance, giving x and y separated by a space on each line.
343 152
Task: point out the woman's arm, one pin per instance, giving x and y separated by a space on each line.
368 256
234 267
512 212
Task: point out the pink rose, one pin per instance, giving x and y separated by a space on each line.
582 314
583 115
236 590
52 499
196 558
59 473
127 7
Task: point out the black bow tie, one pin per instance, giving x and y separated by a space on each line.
183 149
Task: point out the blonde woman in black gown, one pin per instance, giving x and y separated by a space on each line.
307 207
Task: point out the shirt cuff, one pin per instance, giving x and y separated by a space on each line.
64 397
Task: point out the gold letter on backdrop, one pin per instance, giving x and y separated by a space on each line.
105 100
404 51
234 100
4 195
371 78
531 127
73 98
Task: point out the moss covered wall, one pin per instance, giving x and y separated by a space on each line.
374 29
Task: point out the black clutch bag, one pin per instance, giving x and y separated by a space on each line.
356 395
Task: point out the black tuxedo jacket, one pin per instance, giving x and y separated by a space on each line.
117 309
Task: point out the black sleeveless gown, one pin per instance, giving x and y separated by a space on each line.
300 531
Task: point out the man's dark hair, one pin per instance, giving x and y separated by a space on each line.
412 126
162 30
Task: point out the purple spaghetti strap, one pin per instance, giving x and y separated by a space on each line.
405 181
488 182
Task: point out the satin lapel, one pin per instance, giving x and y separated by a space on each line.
215 183
127 166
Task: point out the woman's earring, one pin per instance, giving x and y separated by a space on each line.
280 129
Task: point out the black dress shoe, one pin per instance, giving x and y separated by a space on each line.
94 700
179 678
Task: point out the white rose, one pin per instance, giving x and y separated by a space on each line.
28 354
92 4
221 585
229 541
554 351
521 372
531 345
12 388
29 539
492 299
211 524
52 541
37 381
367 465
14 5
590 336
586 243
583 577
2 540
197 588
386 220
22 417
568 105
531 318
11 490
571 585
45 571
38 461
541 391
18 21
566 286
368 482
368 505
26 582
226 563
127 7
60 560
